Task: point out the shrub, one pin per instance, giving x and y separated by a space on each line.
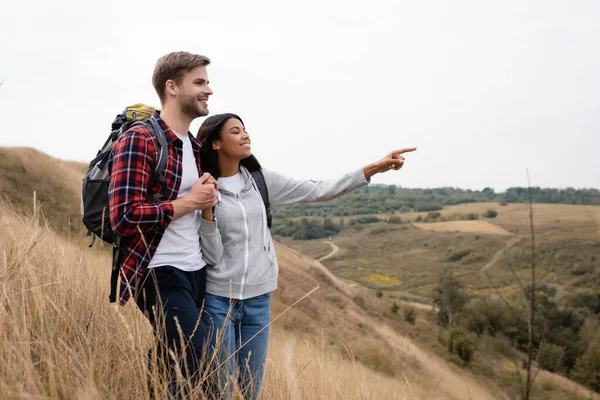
587 367
450 297
476 321
427 207
585 298
461 343
491 213
394 309
383 229
394 220
379 294
432 216
419 218
550 357
471 216
454 254
410 315
582 269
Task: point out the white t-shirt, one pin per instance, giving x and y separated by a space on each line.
180 244
233 184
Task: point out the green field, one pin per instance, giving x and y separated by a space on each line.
403 259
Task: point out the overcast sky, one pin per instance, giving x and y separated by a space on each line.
485 89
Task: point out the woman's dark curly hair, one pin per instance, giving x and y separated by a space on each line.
209 131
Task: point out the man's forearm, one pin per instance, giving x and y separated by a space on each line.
182 206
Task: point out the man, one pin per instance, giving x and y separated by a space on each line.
162 262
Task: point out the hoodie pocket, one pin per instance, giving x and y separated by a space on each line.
270 256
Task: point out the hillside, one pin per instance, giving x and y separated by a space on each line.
326 334
341 342
403 262
56 183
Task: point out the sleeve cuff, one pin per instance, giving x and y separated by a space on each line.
167 212
208 227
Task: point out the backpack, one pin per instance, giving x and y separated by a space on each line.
94 188
259 178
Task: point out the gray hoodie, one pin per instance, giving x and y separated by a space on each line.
248 266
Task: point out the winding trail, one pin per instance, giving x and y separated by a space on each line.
334 250
507 246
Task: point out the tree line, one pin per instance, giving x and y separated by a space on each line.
376 199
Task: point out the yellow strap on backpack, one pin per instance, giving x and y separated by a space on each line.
139 111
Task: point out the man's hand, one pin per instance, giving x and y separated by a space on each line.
393 160
211 180
202 195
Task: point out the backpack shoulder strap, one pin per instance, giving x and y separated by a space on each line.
158 175
162 142
259 178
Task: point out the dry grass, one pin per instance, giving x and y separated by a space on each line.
61 339
57 185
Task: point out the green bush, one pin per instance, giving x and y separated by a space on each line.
585 298
410 315
587 367
364 220
550 357
454 254
491 213
462 344
394 309
432 216
419 218
394 220
582 269
427 207
471 216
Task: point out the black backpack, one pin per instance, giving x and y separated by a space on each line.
259 178
94 189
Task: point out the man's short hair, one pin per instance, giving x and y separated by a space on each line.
174 66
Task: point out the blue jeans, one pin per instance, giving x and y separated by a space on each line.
234 327
171 299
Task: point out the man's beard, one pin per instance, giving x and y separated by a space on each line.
189 106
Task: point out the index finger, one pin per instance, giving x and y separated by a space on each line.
405 150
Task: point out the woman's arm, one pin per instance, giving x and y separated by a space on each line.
284 190
210 238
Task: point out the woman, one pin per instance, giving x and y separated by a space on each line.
239 286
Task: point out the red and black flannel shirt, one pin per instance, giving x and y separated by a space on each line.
141 224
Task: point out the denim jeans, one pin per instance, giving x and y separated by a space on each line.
177 295
235 329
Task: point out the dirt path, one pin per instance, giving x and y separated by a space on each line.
507 246
334 250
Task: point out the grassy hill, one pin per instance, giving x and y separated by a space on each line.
56 183
62 338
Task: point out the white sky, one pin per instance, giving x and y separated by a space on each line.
484 89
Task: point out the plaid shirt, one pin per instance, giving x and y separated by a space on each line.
141 224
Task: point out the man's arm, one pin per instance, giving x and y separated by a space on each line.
132 159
